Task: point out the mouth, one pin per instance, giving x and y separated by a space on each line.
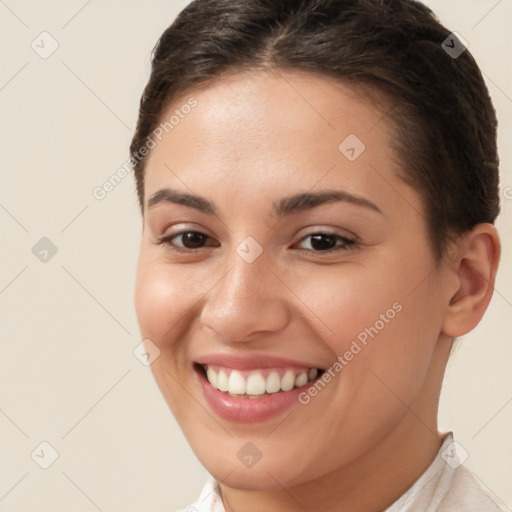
253 388
258 383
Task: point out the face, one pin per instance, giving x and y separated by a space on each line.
286 278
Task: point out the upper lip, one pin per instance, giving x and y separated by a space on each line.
252 362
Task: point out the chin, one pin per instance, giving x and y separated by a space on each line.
268 473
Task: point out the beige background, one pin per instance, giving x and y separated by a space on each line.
68 328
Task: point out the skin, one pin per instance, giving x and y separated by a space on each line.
364 439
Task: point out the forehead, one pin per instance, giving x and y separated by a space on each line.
277 107
259 132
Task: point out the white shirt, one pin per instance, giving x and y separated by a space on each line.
446 486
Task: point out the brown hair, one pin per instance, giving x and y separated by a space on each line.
442 116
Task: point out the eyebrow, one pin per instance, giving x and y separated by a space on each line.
283 207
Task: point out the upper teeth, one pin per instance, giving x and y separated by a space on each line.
255 382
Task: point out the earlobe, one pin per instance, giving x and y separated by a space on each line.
475 266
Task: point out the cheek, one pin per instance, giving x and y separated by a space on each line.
163 298
377 319
348 303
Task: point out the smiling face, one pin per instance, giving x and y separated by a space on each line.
253 292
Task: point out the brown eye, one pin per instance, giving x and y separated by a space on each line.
192 239
189 240
327 242
321 242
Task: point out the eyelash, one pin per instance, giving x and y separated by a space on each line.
346 245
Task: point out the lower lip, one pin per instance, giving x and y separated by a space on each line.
249 410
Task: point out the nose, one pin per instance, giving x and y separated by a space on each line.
248 300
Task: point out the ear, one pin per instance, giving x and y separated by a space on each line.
474 261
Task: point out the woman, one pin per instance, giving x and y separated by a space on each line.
318 181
